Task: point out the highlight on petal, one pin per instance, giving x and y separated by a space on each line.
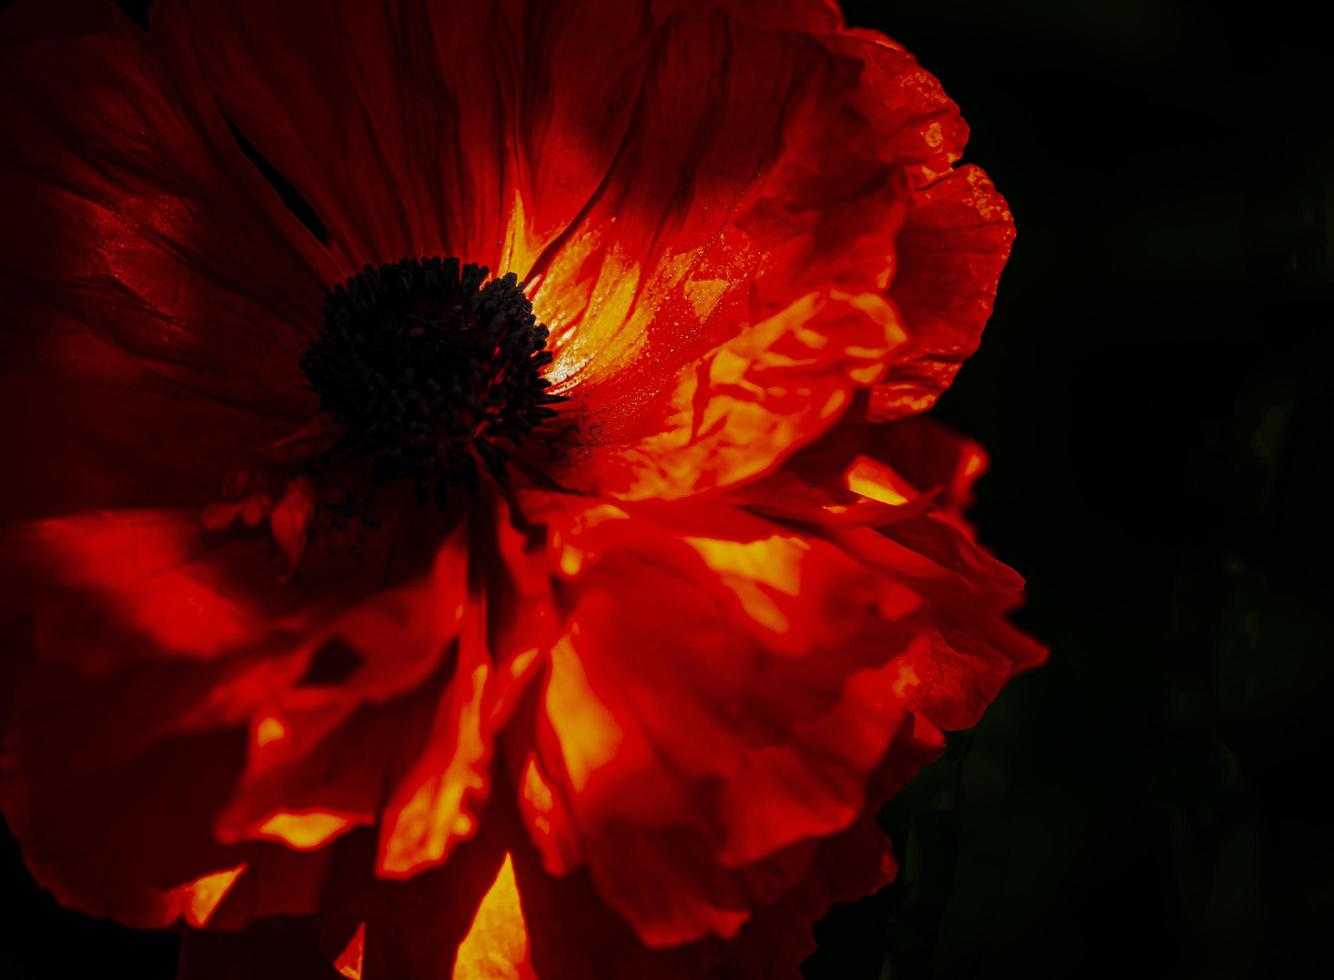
588 733
269 728
743 226
758 572
350 961
722 295
305 831
872 478
751 401
662 756
546 817
437 803
496 946
203 895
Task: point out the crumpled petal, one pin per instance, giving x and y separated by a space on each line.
691 771
922 542
869 473
952 247
218 702
736 254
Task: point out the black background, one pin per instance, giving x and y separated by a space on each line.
1154 390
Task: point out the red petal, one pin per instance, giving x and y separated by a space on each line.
966 650
684 758
436 804
346 741
477 130
134 218
850 865
951 251
873 474
194 671
955 238
720 298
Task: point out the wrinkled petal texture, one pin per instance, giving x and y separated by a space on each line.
185 702
731 216
656 699
693 770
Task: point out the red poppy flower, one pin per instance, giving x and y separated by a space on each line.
391 616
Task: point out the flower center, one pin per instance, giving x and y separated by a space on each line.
428 369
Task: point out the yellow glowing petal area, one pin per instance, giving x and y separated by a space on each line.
537 793
304 831
423 826
588 733
268 730
975 463
496 947
755 571
875 480
204 895
351 959
907 680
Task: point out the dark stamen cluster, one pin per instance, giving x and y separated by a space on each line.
427 369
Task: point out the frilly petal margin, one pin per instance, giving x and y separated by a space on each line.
749 218
955 237
747 269
220 706
952 247
692 791
806 250
892 496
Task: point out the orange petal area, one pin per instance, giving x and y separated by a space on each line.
748 403
353 956
304 831
872 478
496 946
690 758
203 895
331 718
712 322
547 818
269 728
435 805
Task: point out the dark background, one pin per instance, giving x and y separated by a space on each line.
1154 389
